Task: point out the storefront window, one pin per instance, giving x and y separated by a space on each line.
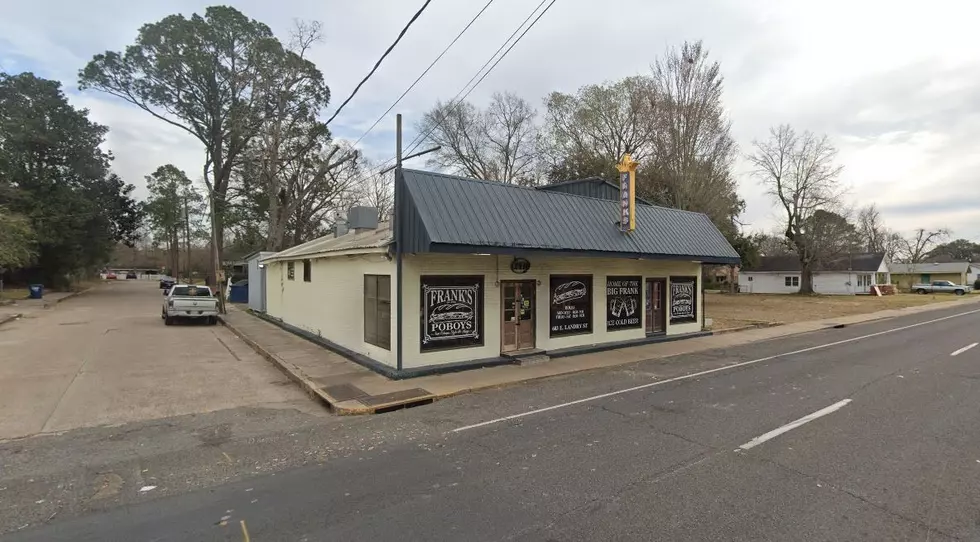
683 300
452 312
571 304
623 296
377 310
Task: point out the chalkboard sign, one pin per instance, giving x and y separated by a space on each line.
571 304
623 295
683 300
452 312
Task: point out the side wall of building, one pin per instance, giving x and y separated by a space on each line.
331 305
904 281
497 268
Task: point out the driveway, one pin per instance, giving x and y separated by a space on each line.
105 357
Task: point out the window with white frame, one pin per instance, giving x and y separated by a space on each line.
791 281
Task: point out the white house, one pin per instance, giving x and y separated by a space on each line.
846 275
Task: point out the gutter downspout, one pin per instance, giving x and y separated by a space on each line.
399 201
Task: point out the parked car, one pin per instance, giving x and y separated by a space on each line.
189 302
941 286
131 275
110 276
167 282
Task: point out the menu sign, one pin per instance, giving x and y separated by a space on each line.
452 312
571 304
623 303
683 300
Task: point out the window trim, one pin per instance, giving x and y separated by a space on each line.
377 311
290 270
791 281
307 270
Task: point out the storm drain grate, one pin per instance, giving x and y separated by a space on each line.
344 392
395 396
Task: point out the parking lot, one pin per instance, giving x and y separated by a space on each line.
105 357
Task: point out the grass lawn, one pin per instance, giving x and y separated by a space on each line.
14 293
737 310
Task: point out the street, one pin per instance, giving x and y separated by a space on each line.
862 433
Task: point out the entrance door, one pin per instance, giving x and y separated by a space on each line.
517 315
656 305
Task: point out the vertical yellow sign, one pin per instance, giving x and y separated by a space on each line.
627 193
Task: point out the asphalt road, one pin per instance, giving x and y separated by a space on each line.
886 448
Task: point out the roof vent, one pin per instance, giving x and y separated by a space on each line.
339 229
362 219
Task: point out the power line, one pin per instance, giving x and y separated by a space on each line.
418 140
419 78
380 60
457 100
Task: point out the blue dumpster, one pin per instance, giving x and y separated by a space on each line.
239 292
35 291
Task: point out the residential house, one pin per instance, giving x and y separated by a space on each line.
846 275
907 274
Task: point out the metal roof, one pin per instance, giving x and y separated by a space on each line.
328 244
929 267
444 213
865 262
593 187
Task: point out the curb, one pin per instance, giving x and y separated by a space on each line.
10 318
314 390
69 296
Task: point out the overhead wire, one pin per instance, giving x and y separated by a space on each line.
423 74
380 60
465 91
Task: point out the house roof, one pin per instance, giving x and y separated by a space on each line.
328 244
866 262
929 267
444 213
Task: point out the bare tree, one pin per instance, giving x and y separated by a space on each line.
875 235
692 147
914 249
799 173
379 193
496 144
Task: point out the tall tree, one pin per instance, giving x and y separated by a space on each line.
167 209
956 250
692 150
496 144
800 174
203 75
54 172
587 133
875 235
18 244
914 248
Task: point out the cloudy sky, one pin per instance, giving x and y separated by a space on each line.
895 84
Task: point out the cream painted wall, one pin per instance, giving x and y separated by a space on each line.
497 268
331 305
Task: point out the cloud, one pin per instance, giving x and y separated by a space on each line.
896 87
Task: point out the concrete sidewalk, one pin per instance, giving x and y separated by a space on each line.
349 388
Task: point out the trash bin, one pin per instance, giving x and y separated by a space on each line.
36 291
239 292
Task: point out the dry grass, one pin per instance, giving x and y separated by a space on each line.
738 310
14 293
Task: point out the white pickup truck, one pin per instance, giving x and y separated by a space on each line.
940 286
191 302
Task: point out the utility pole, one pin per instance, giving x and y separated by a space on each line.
397 237
187 240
